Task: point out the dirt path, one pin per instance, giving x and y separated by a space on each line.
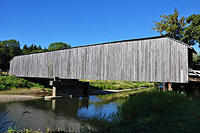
11 98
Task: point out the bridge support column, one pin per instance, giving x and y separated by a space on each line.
53 104
167 86
68 87
55 85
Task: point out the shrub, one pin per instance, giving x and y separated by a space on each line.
160 112
10 82
153 112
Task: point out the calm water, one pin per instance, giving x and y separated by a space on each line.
60 113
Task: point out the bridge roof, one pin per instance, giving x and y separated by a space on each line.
137 39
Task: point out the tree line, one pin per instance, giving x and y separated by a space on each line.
11 48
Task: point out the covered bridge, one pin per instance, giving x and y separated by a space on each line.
155 59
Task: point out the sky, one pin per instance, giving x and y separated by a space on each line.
82 22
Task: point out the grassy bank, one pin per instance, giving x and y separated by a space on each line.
117 85
124 94
152 112
25 91
12 82
11 85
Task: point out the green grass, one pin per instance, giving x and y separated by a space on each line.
117 85
123 94
12 82
152 112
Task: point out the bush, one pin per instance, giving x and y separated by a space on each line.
10 82
153 112
160 112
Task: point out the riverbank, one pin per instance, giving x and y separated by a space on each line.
22 94
26 91
114 94
30 94
13 98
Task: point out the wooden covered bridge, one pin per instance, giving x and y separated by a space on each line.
154 59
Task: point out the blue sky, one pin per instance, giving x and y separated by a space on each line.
81 22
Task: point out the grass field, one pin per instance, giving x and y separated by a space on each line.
117 85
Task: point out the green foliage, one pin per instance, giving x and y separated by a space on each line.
153 112
197 59
123 94
21 131
58 46
171 25
10 82
33 49
117 85
160 112
152 103
192 31
184 29
196 62
8 49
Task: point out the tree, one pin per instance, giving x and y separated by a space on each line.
196 62
192 31
32 49
3 56
25 49
184 29
39 47
8 49
58 46
13 47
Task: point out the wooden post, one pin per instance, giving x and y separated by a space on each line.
55 85
169 86
54 91
53 104
164 87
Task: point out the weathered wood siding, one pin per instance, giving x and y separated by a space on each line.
157 60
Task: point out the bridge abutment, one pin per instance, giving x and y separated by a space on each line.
68 88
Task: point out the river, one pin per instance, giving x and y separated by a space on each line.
64 114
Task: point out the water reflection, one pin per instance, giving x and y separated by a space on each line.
61 113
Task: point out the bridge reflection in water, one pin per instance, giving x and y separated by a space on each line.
57 114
